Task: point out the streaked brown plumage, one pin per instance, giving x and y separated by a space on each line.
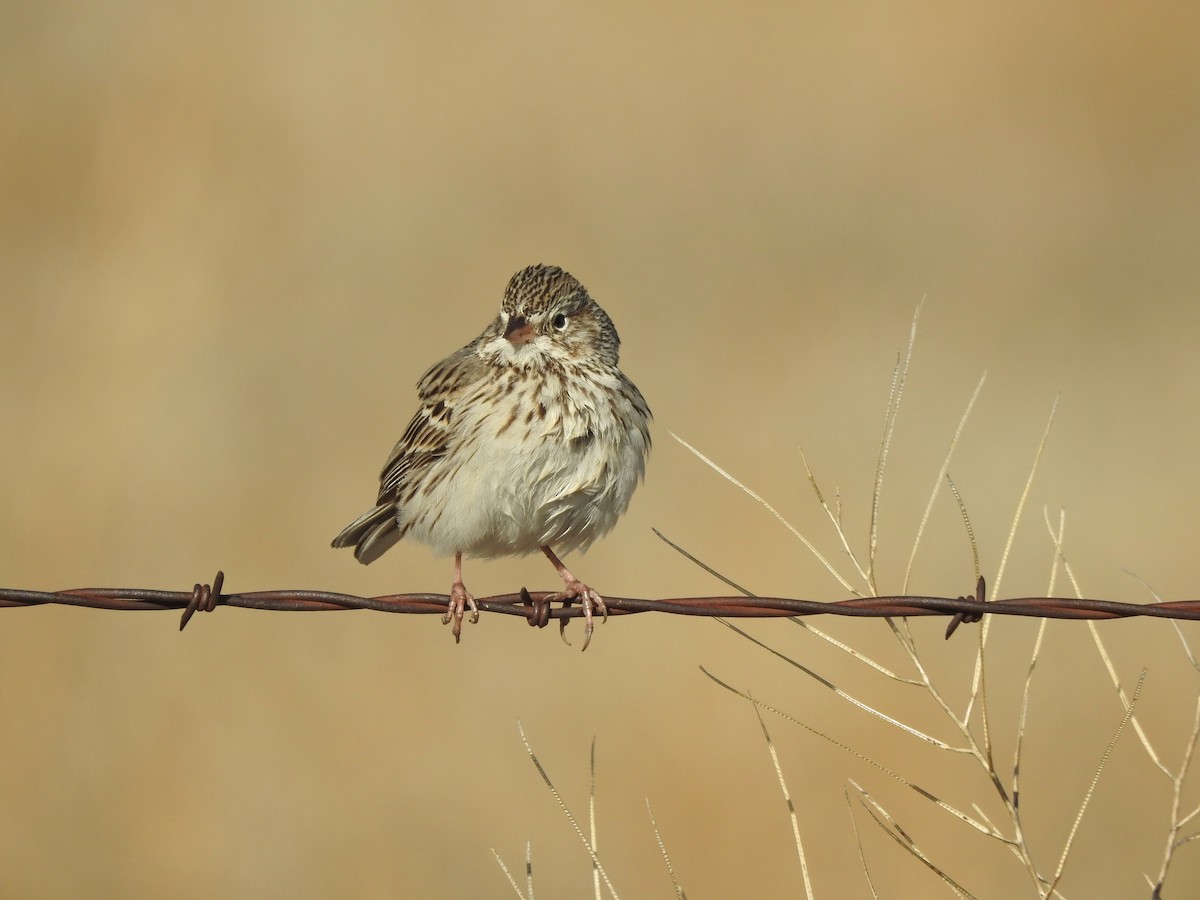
530 437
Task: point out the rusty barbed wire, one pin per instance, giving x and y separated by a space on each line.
538 607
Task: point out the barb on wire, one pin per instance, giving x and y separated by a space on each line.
536 606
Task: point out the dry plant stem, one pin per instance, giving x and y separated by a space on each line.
703 565
986 763
528 872
1027 693
985 721
862 856
849 698
808 891
835 517
567 812
1111 668
1037 458
829 567
1016 843
1062 862
979 593
812 629
662 849
966 520
901 631
982 754
595 841
1178 821
943 473
982 750
985 626
899 378
1176 779
893 830
928 795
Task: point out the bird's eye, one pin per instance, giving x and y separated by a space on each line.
559 322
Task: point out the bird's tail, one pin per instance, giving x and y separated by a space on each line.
371 533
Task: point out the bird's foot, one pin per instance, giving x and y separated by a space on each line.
592 603
460 601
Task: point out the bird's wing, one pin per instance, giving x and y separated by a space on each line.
428 434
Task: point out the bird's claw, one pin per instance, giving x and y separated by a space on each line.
460 601
591 602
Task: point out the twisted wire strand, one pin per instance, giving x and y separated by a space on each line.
538 607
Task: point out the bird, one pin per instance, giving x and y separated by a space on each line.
528 438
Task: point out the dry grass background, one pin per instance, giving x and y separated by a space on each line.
233 236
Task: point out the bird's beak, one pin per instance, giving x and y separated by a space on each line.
519 331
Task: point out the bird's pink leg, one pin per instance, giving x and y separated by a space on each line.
573 587
460 599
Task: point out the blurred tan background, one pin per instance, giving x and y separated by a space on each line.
233 236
